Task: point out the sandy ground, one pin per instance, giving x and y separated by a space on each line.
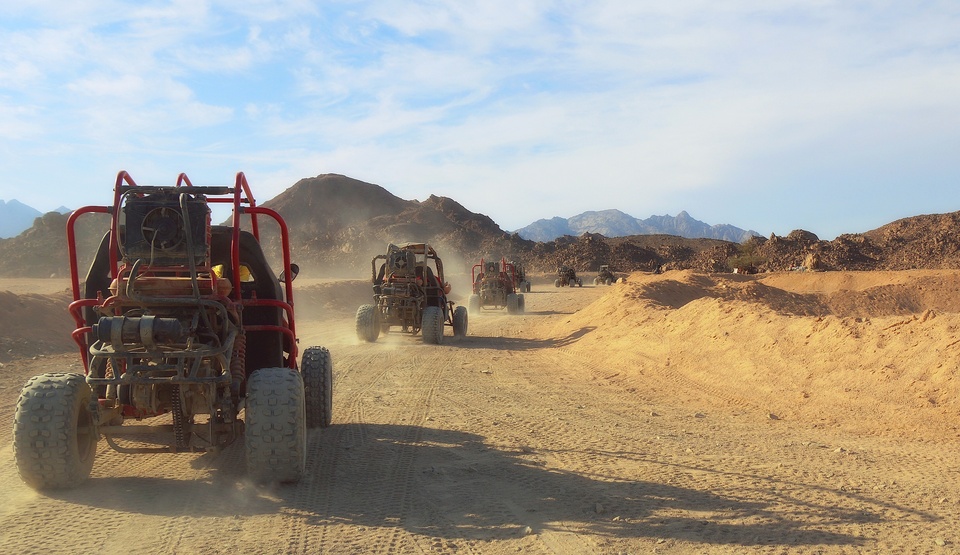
680 413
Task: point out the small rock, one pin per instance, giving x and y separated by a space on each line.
940 542
527 530
772 416
598 508
699 415
652 413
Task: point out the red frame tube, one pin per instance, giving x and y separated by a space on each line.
240 195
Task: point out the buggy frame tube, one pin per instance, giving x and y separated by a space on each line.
241 194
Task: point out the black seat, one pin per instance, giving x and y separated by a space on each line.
264 348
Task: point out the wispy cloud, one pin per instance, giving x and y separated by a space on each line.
518 110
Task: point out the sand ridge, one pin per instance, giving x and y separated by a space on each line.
799 346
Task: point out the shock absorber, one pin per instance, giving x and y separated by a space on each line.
238 364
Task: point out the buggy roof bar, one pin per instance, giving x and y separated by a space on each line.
149 189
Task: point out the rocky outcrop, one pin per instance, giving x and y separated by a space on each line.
337 224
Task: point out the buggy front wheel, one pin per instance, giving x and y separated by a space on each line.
316 367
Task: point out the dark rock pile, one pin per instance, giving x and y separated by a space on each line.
337 224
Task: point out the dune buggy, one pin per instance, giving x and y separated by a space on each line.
495 286
523 284
410 292
605 276
182 322
567 276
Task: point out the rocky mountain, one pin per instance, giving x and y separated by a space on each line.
337 224
609 223
547 230
614 223
15 217
41 250
684 225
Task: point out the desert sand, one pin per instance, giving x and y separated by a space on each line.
673 413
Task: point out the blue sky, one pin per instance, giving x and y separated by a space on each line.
830 116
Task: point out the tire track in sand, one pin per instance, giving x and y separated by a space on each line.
365 465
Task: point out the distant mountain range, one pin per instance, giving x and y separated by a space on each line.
614 223
338 224
16 217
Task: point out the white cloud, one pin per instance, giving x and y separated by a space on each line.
647 106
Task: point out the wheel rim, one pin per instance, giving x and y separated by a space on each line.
86 436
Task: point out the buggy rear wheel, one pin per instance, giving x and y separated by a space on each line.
432 325
368 328
316 367
513 303
460 321
275 431
54 434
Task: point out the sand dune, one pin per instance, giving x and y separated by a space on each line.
872 352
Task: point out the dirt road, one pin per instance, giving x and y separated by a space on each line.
565 430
